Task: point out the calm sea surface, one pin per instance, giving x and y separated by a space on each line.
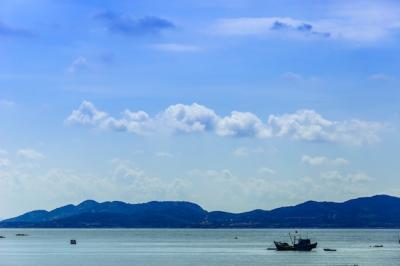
147 247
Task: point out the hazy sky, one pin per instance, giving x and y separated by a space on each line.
234 105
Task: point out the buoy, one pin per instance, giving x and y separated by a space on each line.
72 242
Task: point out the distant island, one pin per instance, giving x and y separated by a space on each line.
380 211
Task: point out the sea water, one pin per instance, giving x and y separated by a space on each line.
194 247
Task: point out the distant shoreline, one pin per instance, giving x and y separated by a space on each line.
376 212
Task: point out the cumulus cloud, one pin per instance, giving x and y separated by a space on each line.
189 118
129 26
305 125
88 115
242 124
308 125
30 154
323 160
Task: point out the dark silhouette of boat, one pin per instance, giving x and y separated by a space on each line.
72 242
329 249
298 244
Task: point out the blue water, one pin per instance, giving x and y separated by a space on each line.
147 247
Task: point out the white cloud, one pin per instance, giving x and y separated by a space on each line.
86 114
176 47
242 124
323 160
336 176
212 189
266 171
78 65
310 126
30 154
189 118
305 125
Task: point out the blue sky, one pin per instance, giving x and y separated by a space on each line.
234 105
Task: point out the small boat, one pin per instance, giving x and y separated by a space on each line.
298 244
72 242
329 249
2 237
377 246
19 234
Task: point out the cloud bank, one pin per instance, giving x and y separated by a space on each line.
304 125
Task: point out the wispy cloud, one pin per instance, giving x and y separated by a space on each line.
268 26
354 21
291 76
323 160
164 154
127 25
10 31
380 77
176 47
304 125
30 154
266 171
354 178
244 151
79 64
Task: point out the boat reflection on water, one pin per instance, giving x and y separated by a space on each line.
298 243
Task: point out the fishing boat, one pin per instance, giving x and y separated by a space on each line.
298 243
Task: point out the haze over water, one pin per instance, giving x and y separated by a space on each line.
178 247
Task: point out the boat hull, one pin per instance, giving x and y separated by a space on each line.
282 246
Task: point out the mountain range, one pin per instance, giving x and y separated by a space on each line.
380 211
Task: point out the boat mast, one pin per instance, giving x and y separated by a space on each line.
291 240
